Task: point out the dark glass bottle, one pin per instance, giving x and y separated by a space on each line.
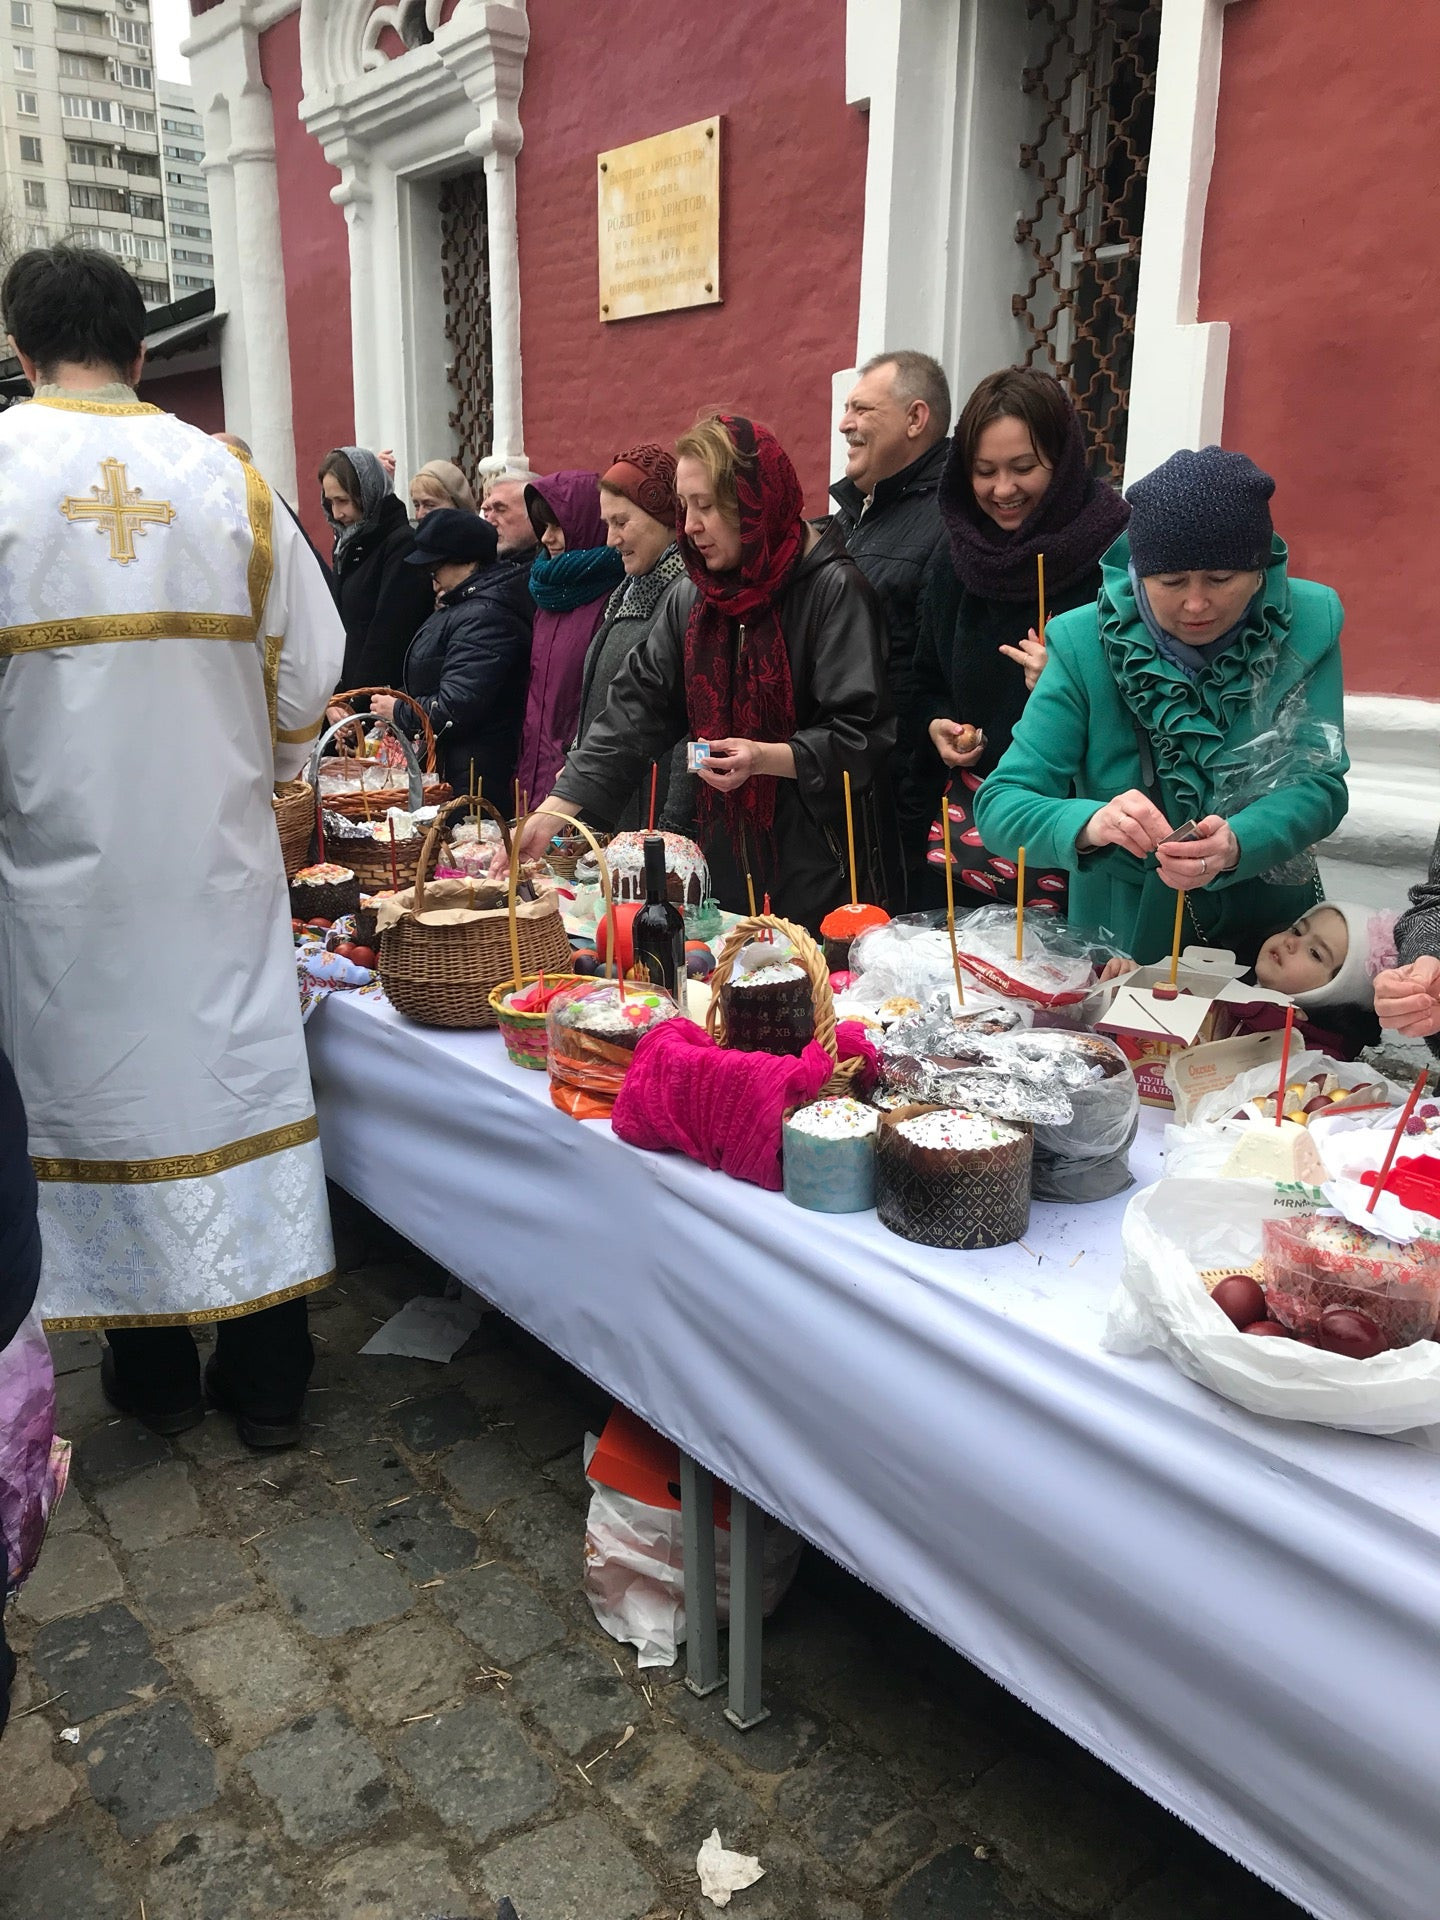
658 932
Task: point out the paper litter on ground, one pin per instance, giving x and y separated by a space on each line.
428 1329
722 1872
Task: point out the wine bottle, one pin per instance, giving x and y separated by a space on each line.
658 932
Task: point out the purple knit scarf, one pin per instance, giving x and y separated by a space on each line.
1076 521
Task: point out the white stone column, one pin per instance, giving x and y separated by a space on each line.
257 234
229 280
503 242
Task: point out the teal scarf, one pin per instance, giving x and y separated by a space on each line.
570 580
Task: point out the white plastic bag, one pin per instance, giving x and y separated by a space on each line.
1173 1232
1261 1083
635 1571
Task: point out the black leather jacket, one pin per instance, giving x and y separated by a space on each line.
382 601
468 667
844 719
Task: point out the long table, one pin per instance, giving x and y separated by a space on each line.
1242 1616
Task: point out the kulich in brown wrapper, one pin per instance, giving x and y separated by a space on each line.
770 1010
324 893
960 1196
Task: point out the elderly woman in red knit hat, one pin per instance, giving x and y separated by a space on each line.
637 504
773 651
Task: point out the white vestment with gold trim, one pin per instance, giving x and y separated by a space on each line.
167 643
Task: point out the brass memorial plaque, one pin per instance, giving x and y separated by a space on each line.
659 203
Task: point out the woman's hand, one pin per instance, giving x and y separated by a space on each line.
1130 820
1190 864
532 842
383 704
1031 655
957 745
334 715
1407 999
733 762
1113 969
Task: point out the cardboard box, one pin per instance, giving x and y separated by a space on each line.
632 1458
1150 1031
1200 1070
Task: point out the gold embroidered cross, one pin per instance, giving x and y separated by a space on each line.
117 508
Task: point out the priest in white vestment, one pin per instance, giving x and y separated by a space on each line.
167 643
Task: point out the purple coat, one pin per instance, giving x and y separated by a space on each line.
560 640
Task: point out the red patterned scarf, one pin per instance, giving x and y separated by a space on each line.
737 672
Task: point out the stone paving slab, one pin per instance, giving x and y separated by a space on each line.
282 1720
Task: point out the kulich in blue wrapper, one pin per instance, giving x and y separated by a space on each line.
829 1156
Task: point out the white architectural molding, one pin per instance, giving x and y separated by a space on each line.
235 106
393 128
1177 383
1383 844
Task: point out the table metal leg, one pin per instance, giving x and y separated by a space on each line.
747 1541
697 1534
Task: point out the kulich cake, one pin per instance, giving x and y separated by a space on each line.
948 1178
687 877
845 924
1313 1261
829 1156
324 892
593 1031
769 1008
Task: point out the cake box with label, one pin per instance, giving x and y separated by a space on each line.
1150 1027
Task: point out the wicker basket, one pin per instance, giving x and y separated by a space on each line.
525 1034
444 975
369 860
423 789
294 804
844 1073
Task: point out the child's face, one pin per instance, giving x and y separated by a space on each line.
1305 956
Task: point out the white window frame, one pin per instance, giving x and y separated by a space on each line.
24 58
21 14
27 103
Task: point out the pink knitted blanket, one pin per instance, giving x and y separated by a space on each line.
724 1108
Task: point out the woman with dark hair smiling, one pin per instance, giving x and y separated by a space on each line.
773 653
1016 486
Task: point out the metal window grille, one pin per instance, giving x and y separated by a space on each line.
1092 85
465 279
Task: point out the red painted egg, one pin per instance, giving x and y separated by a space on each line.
1240 1299
1349 1331
1271 1327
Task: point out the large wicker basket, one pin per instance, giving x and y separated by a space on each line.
294 804
441 973
429 791
807 955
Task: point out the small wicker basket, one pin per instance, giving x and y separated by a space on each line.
424 788
845 1073
525 1033
294 804
442 973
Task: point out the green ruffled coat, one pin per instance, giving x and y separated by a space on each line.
1075 748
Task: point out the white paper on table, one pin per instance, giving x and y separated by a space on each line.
428 1329
722 1872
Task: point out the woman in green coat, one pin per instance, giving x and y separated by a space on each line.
1151 709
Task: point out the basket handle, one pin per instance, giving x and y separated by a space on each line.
552 813
807 955
441 820
352 694
416 793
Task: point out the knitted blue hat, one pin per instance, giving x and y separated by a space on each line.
1205 511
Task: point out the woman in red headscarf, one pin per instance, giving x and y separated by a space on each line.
774 653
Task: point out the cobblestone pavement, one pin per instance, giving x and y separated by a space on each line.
360 1682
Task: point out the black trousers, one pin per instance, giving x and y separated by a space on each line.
264 1359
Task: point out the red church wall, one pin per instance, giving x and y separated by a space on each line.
196 396
1309 253
792 194
316 253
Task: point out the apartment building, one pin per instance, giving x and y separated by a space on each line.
80 136
187 198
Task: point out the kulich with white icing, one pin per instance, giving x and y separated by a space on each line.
324 892
686 872
829 1156
946 1177
769 1009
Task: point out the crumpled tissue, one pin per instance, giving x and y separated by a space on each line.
722 1872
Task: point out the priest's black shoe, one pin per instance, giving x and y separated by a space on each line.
265 1432
167 1421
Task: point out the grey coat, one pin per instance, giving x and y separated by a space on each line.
1417 931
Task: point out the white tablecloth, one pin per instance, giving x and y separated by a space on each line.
1242 1616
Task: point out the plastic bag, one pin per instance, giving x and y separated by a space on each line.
1296 746
34 1465
1262 1083
1087 1157
635 1571
1174 1232
593 1029
910 960
1056 970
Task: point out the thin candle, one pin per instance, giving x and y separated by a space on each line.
1020 905
950 898
1396 1137
1284 1064
750 890
320 828
394 870
472 779
850 839
654 781
1040 579
1175 943
512 888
